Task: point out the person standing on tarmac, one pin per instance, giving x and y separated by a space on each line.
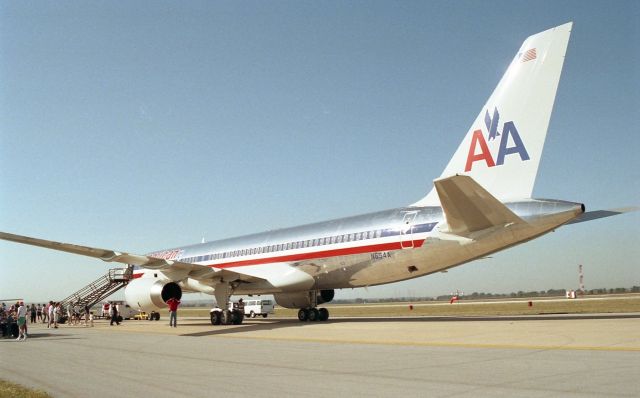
114 315
57 313
173 304
22 322
86 315
241 306
32 311
50 309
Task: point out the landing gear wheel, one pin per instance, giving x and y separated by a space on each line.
264 315
226 317
156 316
314 314
252 314
323 314
237 317
216 318
303 315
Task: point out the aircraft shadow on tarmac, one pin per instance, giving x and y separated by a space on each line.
50 336
274 324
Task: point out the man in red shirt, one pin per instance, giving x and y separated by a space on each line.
173 304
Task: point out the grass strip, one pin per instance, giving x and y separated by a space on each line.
12 390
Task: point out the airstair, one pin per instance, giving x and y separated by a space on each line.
103 287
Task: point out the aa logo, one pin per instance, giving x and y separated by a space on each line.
479 149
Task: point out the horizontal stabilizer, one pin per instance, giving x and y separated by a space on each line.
594 215
469 208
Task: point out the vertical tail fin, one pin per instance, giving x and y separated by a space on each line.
502 149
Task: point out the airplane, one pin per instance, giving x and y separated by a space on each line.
480 204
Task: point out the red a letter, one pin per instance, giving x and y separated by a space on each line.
485 155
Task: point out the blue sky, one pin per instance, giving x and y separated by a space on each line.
138 126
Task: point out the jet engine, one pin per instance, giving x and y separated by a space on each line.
304 299
151 294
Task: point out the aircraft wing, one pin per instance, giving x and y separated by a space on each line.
173 269
105 254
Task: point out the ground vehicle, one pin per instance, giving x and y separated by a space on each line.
147 316
253 308
125 311
141 316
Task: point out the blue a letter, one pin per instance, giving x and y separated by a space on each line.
509 129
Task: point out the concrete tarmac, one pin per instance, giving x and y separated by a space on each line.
528 356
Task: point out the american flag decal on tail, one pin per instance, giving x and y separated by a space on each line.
528 55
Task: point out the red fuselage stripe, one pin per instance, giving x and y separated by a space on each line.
323 254
409 244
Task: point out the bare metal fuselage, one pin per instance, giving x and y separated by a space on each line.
370 249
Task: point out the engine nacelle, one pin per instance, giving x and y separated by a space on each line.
151 294
303 299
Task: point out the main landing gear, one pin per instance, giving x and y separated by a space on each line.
313 314
223 315
220 317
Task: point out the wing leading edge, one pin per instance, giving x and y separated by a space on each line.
104 254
